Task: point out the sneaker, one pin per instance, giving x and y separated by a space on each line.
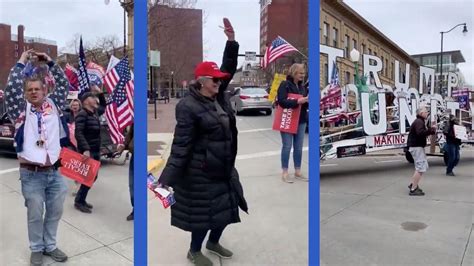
301 178
130 217
90 206
450 174
287 179
56 255
219 250
82 208
416 192
199 259
36 258
409 186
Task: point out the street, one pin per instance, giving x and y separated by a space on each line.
368 218
101 238
276 230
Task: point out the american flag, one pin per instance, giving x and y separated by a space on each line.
277 49
119 110
72 76
82 75
462 96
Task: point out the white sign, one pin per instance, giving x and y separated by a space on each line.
387 140
155 58
73 95
460 132
250 56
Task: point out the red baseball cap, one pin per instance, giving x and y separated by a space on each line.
209 69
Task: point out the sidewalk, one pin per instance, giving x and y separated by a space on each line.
276 230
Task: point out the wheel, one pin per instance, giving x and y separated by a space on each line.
408 156
268 112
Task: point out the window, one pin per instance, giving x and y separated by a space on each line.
383 66
375 53
393 72
347 48
354 44
16 54
370 51
348 77
335 36
326 74
16 47
363 51
325 33
386 67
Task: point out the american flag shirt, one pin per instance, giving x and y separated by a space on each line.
14 93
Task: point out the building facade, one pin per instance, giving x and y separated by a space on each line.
343 28
13 45
451 59
285 18
177 34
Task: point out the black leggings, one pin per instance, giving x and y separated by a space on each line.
197 237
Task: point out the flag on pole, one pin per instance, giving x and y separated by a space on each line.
96 73
83 78
119 110
277 49
72 76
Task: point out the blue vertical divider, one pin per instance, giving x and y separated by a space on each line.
140 70
313 43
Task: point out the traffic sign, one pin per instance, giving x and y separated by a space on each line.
250 56
155 58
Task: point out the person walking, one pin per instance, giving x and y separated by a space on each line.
293 84
40 129
128 144
88 137
416 146
201 167
452 145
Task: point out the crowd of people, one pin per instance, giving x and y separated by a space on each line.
44 125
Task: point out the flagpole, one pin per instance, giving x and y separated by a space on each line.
295 48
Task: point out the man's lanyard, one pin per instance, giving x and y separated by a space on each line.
41 142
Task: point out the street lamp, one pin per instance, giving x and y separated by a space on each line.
464 31
355 56
172 84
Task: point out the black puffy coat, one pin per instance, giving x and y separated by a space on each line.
87 130
201 168
289 86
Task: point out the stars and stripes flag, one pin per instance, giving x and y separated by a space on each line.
119 110
72 76
83 77
277 49
462 97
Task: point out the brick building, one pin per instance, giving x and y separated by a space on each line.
13 45
177 34
285 18
343 28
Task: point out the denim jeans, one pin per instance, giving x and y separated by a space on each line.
84 190
453 156
295 140
197 237
130 180
43 189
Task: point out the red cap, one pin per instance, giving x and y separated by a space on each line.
209 69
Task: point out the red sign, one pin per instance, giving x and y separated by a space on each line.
78 167
287 119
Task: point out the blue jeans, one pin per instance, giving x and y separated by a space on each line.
43 189
453 156
130 180
295 140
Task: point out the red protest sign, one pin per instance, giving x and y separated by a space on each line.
287 119
77 167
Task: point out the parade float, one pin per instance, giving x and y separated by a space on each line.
366 117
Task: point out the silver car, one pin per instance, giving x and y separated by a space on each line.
251 98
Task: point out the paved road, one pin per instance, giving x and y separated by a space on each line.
101 238
367 217
275 232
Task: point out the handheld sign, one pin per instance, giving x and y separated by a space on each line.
78 167
287 119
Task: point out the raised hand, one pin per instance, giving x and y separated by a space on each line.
25 56
43 57
229 30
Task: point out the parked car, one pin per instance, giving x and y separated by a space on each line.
7 130
251 98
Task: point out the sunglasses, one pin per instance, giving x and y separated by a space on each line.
215 80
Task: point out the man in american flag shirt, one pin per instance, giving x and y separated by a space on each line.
39 132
